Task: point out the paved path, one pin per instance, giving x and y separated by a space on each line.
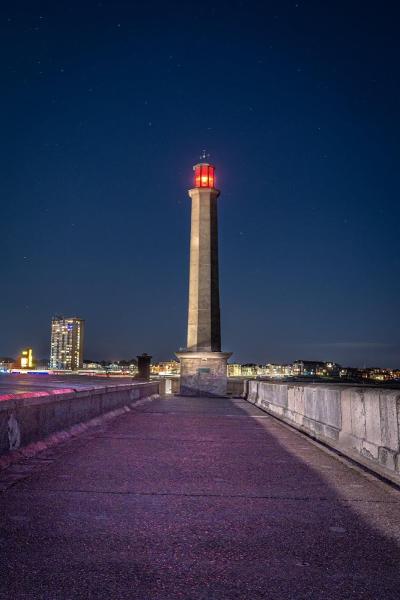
197 499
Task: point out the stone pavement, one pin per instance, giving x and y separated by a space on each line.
197 499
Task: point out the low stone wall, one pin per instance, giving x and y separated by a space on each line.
362 423
170 385
31 417
236 387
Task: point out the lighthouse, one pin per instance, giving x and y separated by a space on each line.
203 364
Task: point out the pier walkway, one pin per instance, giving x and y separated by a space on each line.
200 499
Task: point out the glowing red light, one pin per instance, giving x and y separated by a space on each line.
204 175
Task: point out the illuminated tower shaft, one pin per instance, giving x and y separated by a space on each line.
204 328
203 365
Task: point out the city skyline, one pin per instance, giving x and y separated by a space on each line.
303 132
114 358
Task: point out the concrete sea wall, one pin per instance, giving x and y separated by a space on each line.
360 422
236 386
32 417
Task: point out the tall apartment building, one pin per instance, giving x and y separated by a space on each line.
66 343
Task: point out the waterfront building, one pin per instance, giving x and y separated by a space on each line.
261 370
6 364
26 359
92 366
377 374
66 343
249 370
234 370
273 370
167 367
308 367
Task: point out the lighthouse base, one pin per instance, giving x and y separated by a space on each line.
203 373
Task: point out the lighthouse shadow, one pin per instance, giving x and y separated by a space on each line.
294 521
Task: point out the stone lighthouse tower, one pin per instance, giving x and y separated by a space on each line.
203 365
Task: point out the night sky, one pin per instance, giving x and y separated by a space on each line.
105 108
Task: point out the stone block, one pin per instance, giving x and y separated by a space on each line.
203 373
387 458
369 450
323 405
398 413
358 425
308 424
252 391
296 399
330 432
348 441
277 410
282 395
388 418
274 393
309 402
352 442
288 414
134 394
318 428
345 408
397 463
297 418
263 403
332 408
372 417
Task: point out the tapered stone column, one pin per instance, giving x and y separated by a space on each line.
203 365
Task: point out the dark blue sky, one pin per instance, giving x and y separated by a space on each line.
106 107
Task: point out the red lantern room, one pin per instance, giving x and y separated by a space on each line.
204 175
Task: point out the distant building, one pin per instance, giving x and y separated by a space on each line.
26 359
305 367
168 367
66 343
312 368
92 366
234 370
333 369
253 370
6 363
316 368
249 370
308 367
272 370
350 373
261 370
377 374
